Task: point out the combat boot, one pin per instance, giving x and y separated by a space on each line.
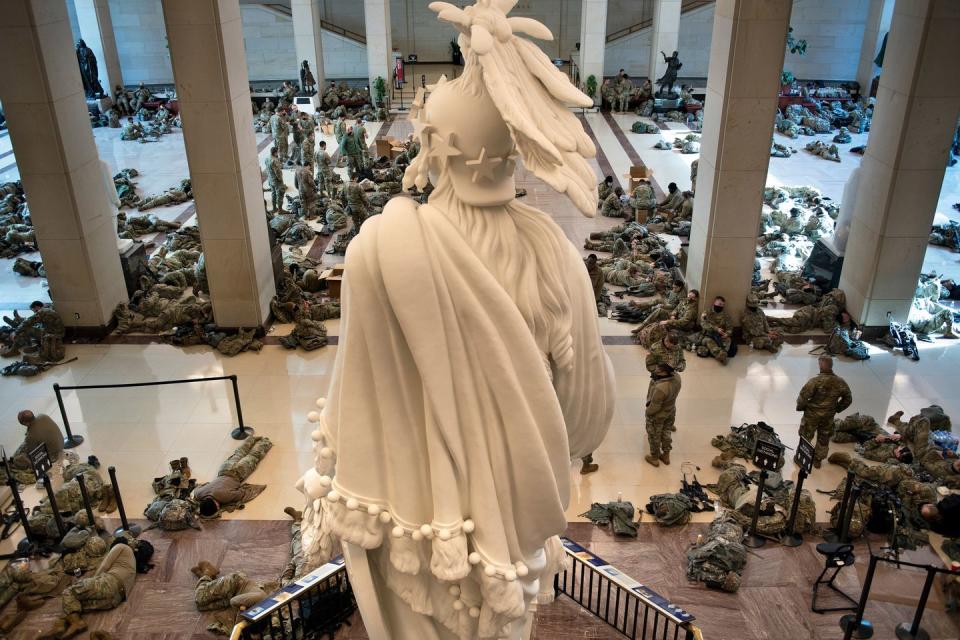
895 418
949 335
56 631
185 468
665 457
9 621
75 626
841 458
652 460
293 513
722 357
205 568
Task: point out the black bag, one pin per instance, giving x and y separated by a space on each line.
143 552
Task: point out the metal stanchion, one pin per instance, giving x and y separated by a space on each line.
751 539
913 631
28 545
71 440
853 624
242 431
791 538
86 501
833 536
125 526
53 505
848 515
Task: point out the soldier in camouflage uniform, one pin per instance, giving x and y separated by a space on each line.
43 330
307 189
716 332
308 147
356 204
235 589
324 174
683 319
756 330
350 149
70 501
274 171
604 189
104 590
820 399
280 130
855 428
719 560
296 148
661 413
612 207
83 549
643 201
666 351
229 491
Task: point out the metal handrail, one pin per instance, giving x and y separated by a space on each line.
633 609
313 607
284 10
688 5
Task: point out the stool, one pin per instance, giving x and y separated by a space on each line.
838 555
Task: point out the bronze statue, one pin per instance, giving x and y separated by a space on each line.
669 78
88 71
307 82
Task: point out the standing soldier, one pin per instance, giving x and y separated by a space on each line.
340 129
307 188
824 396
661 413
667 351
360 133
350 149
275 179
307 153
624 93
279 130
296 156
324 170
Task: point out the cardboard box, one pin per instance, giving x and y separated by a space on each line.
636 173
383 147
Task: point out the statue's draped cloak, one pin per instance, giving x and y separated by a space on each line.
442 408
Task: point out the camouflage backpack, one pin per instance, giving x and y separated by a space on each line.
841 344
670 508
172 515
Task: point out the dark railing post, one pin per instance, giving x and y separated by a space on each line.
791 538
71 440
86 501
241 431
848 515
21 513
751 539
124 525
53 505
853 624
834 535
913 631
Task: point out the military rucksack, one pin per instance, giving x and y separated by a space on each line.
842 344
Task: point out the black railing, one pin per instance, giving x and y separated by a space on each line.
240 432
625 604
313 607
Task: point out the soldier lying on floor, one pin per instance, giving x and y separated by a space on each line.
229 491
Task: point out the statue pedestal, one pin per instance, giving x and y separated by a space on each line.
663 105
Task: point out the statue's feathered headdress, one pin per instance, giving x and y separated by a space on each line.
531 94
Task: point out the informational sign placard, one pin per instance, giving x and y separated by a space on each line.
292 590
40 460
766 455
804 455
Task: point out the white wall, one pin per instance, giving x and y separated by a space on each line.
141 41
833 30
74 22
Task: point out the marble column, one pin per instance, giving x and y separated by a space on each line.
307 37
210 72
918 101
878 23
376 16
96 29
593 41
746 56
46 111
666 35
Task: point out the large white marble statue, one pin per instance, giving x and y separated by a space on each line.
470 369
